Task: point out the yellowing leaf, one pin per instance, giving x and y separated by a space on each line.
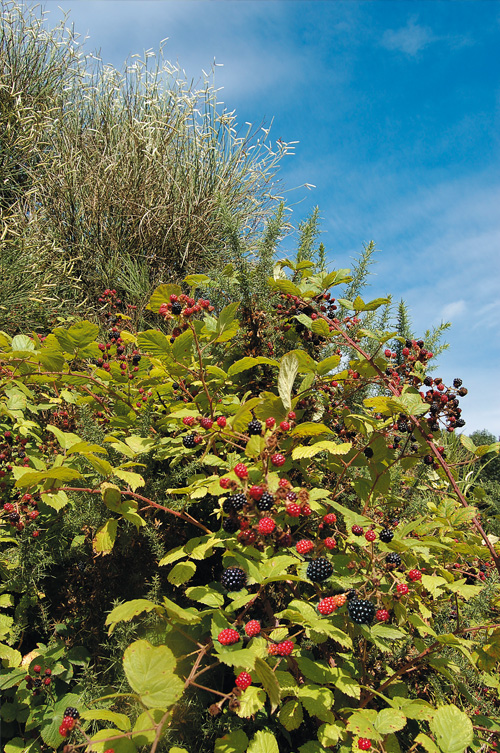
150 671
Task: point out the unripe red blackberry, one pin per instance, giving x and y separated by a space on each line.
266 526
370 535
243 680
278 459
382 615
304 546
228 637
364 743
293 510
270 422
285 648
241 470
319 569
357 530
415 575
330 542
285 426
206 423
361 611
327 606
402 589
233 579
252 628
256 492
221 422
330 518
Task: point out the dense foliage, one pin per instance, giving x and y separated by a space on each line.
286 552
236 511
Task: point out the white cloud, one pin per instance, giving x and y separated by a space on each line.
410 39
413 38
452 310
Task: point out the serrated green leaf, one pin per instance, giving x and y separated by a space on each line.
181 573
269 682
105 537
101 741
263 742
205 595
248 363
309 451
195 281
289 366
390 720
234 742
291 715
329 734
134 480
452 729
310 429
130 609
251 700
145 727
150 671
426 742
155 344
328 364
162 295
120 720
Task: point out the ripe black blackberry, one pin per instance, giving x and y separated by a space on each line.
233 579
136 359
266 502
72 712
428 381
254 428
428 459
361 611
231 525
350 594
319 569
457 383
368 452
188 441
386 535
176 308
460 423
393 559
235 502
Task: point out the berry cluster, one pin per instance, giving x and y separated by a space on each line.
116 355
22 514
12 450
184 307
37 683
69 721
444 403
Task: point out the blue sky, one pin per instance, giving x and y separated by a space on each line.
395 106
